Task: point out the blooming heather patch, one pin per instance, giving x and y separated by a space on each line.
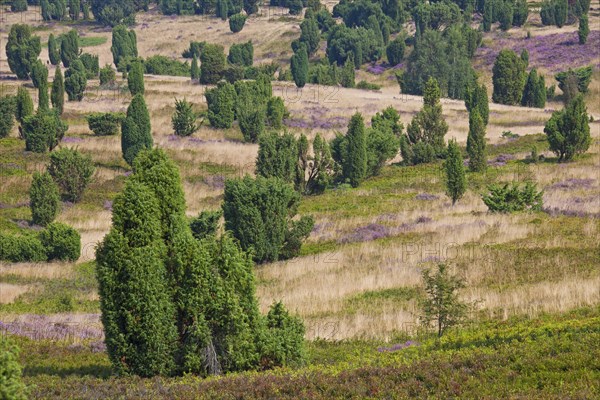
574 183
43 327
376 69
71 139
556 52
426 196
366 233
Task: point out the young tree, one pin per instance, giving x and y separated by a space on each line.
75 81
43 101
568 130
184 119
299 66
442 306
43 131
23 104
135 79
44 199
456 181
136 131
488 18
348 76
520 12
107 75
395 50
39 74
561 8
69 47
277 156
195 70
476 143
7 113
354 167
251 118
61 242
221 105
508 78
18 6
241 54
72 172
504 14
236 22
310 35
212 64
22 50
74 9
57 96
275 112
53 50
251 6
124 44
534 93
476 98
509 198
584 29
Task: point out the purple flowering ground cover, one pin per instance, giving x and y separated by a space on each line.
555 52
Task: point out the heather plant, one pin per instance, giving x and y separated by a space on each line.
568 130
510 197
22 50
442 307
72 172
61 242
44 199
456 181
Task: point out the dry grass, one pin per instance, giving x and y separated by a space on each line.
9 292
53 270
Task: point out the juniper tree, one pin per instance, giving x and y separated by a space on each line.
212 64
237 22
476 98
75 81
44 199
299 66
13 387
476 143
310 35
43 101
39 74
568 130
135 79
22 50
277 156
456 181
584 29
347 78
23 104
43 131
69 47
136 131
184 119
7 114
57 95
354 166
195 70
74 9
508 78
72 172
534 93
395 50
221 105
275 112
124 44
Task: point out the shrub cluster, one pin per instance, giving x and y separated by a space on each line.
107 123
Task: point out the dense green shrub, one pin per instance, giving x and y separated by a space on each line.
116 12
236 22
360 42
205 224
91 64
135 79
534 93
11 385
520 12
124 44
241 54
39 74
7 115
44 199
476 98
22 50
354 162
584 29
69 47
277 156
105 123
476 148
195 69
74 9
23 104
136 131
511 197
259 214
72 172
285 337
53 10
395 50
184 119
299 66
43 131
195 49
251 118
61 242
456 181
568 130
221 102
582 77
107 75
57 95
310 35
212 64
276 112
161 65
24 248
508 78
18 6
75 81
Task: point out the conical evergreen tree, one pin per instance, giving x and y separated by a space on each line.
195 70
44 199
299 66
476 143
456 181
355 163
24 104
568 130
43 100
584 28
57 95
136 131
53 50
135 79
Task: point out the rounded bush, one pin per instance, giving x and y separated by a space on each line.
44 199
21 248
61 242
236 22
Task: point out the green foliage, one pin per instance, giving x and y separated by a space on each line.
136 131
72 172
91 64
442 305
395 50
348 76
39 74
69 47
476 143
61 242
568 130
241 54
43 131
105 123
508 78
310 35
299 66
259 214
314 172
11 384
511 197
113 12
184 119
195 49
161 65
195 69
456 181
181 7
236 22
295 7
222 10
520 12
276 111
212 64
488 15
221 105
21 249
383 140
476 98
354 159
107 75
251 6
23 104
584 29
74 9
57 95
206 224
360 42
534 93
277 156
75 81
581 76
285 338
44 199
554 12
18 6
22 50
135 79
251 118
504 14
7 115
124 44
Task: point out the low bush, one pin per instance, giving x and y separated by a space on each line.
161 65
510 197
21 248
61 242
104 124
72 172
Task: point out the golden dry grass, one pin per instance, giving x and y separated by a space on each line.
9 292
